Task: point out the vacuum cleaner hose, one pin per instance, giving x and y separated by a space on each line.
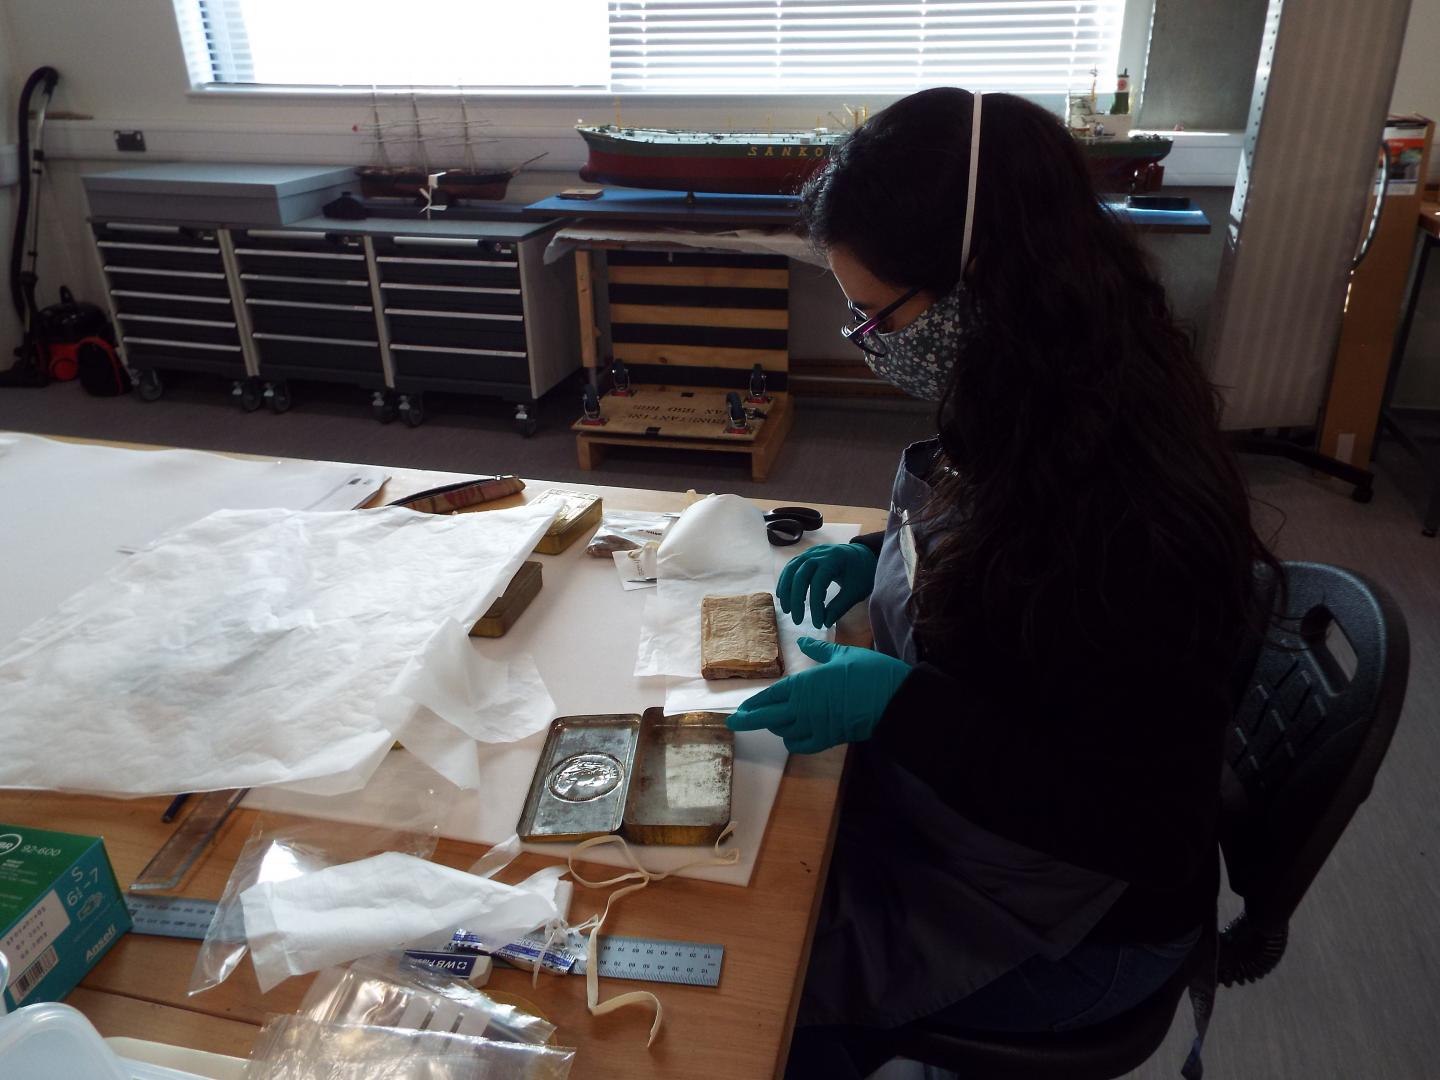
45 77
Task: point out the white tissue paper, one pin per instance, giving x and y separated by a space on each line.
431 708
719 546
82 504
338 914
266 647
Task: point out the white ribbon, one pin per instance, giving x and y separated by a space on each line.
501 855
642 877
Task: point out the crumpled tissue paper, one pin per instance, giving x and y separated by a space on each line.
268 647
340 913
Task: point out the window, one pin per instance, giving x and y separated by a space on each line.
655 46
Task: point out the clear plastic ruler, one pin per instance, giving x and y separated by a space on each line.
168 867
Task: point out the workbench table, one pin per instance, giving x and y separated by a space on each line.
739 1029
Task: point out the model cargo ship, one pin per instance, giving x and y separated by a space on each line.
1119 161
734 163
1126 165
754 163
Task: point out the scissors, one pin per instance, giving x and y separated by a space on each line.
785 525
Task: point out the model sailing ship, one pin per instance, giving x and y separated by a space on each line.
412 178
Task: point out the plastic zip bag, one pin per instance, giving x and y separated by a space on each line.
624 530
299 1048
416 799
379 904
391 991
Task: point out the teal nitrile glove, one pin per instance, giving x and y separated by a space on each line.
839 701
852 565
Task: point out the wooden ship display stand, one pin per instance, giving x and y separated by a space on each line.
685 350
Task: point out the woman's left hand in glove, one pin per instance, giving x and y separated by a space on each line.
839 700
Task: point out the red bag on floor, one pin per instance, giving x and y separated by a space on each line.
100 370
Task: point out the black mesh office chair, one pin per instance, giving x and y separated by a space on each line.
1307 739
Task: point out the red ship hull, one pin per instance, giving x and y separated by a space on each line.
754 164
729 176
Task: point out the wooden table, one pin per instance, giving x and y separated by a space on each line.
740 1029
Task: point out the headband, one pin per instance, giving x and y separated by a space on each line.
974 171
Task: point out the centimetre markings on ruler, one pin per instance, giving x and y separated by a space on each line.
644 959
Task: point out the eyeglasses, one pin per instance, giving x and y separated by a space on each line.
862 332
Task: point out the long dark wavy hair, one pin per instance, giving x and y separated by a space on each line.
1090 479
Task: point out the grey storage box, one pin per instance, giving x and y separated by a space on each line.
216 194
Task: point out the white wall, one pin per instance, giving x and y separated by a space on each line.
1417 80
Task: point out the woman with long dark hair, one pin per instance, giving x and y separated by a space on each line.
1027 841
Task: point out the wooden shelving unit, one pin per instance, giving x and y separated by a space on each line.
690 326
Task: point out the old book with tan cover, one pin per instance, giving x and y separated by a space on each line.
739 638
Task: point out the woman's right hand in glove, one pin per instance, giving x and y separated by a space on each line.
811 573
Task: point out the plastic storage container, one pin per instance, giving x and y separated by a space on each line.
56 1042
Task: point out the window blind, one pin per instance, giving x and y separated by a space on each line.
824 46
663 46
213 36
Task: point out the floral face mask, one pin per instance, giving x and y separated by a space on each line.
919 358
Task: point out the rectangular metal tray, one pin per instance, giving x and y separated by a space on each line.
681 785
582 779
655 779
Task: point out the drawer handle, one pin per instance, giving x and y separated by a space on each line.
278 254
129 245
179 344
206 274
266 336
441 241
286 234
305 304
447 349
453 314
171 296
451 288
304 280
176 320
492 263
125 226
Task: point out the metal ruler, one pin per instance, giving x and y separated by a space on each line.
651 960
170 916
645 959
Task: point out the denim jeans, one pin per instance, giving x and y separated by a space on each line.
1089 985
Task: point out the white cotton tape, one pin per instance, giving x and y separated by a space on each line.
974 172
642 877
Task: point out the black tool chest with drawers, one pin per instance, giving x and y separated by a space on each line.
171 299
396 307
